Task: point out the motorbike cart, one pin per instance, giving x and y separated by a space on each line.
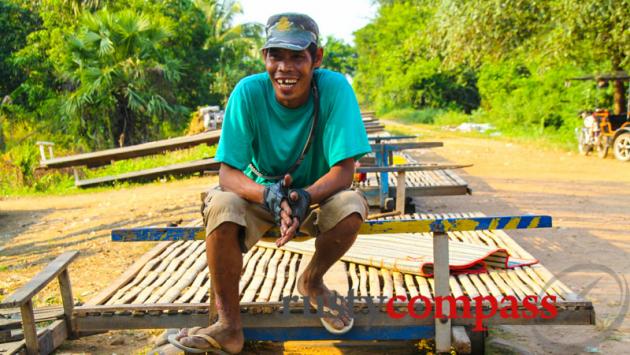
601 130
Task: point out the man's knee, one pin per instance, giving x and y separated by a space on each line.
223 232
350 225
224 200
222 203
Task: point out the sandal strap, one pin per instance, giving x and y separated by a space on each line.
209 339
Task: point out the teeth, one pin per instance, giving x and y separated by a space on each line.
287 81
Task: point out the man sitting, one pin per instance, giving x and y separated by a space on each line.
290 139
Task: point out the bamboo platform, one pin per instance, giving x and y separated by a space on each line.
418 183
169 286
173 169
105 157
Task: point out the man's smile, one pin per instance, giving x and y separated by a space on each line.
286 83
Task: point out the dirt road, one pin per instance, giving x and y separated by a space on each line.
589 199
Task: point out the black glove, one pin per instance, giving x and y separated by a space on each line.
272 197
300 207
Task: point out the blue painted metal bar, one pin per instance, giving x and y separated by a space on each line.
155 234
382 159
383 151
357 333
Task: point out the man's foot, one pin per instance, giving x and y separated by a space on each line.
230 340
337 316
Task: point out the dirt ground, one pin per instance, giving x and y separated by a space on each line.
588 198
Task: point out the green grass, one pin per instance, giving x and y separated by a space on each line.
62 182
411 116
445 121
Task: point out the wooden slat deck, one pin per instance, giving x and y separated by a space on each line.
420 183
104 157
174 169
174 283
441 182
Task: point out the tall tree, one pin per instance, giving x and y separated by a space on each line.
16 23
600 30
339 56
396 67
122 77
592 34
235 48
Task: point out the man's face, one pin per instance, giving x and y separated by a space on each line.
291 73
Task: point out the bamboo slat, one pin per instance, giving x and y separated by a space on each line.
281 276
145 294
269 276
375 285
305 260
531 283
354 278
483 291
194 287
399 284
363 281
249 269
202 293
468 286
423 287
194 252
411 286
289 285
456 290
259 277
136 283
198 268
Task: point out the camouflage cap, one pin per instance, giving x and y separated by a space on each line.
292 31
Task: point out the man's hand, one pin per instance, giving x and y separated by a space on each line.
273 197
293 214
300 201
288 223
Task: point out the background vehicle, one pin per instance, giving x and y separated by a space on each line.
602 130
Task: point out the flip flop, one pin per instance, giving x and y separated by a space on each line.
333 313
215 347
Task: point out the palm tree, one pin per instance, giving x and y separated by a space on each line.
121 76
235 47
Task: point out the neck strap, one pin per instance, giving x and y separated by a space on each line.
307 145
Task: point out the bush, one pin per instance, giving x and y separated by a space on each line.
409 115
453 118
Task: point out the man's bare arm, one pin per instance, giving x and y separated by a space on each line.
234 180
338 178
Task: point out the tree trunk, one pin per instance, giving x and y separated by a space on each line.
1 138
619 98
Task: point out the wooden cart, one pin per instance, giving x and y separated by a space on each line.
169 286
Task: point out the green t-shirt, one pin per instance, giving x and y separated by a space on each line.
257 129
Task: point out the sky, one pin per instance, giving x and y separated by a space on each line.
338 18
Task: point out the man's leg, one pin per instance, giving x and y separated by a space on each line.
225 262
329 247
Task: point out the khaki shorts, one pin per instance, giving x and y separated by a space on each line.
223 206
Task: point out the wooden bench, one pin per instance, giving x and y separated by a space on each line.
54 334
